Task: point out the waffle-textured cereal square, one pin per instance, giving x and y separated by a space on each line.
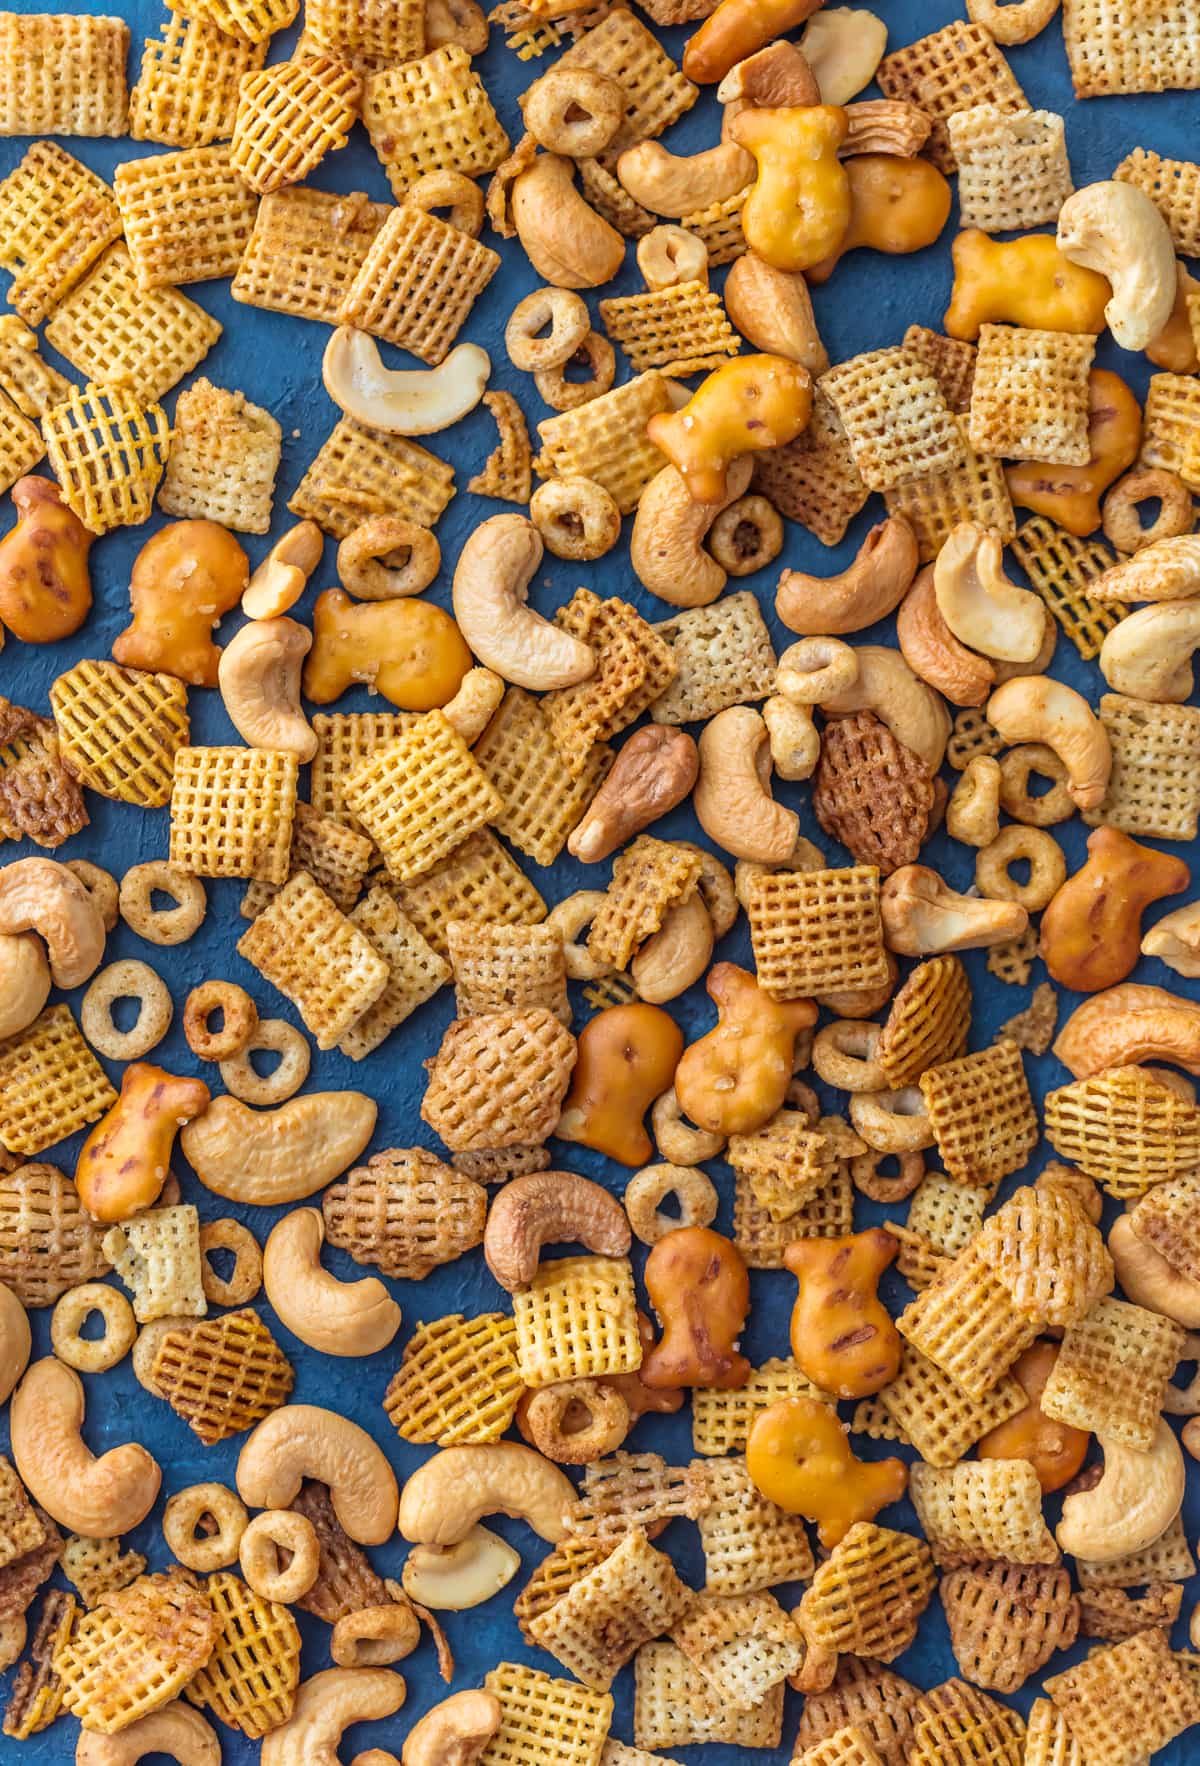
867 1598
134 339
1125 1703
635 1490
507 968
543 798
988 1508
618 1753
405 1212
749 1543
1048 1741
723 655
656 93
897 423
871 792
1166 1219
814 480
945 1213
634 666
784 1162
1121 46
135 1651
816 931
1173 186
48 1243
577 1319
36 1697
344 738
1154 786
96 1566
56 218
848 1746
1112 1371
1029 399
249 1681
51 1084
40 798
255 20
1007 1620
20 1580
120 729
304 945
221 1375
107 450
544 1719
744 1645
360 472
418 283
232 811
1113 1615
187 215
956 1722
187 87
1170 421
415 972
62 74
605 439
649 877
607 195
305 251
722 1417
953 69
479 880
1059 567
21 445
558 1572
432 115
631 1597
826 1213
157 1256
420 796
867 1697
981 1113
680 330
334 856
1168 1559
31 383
458 1381
941 1422
367 34
1013 170
949 360
508 470
927 1022
20 1528
933 505
965 1322
1049 1256
224 456
675 1705
289 116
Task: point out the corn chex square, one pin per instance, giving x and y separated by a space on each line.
723 656
224 455
1029 399
187 87
949 360
344 738
967 1324
656 93
1173 186
542 1718
107 450
939 1420
722 1416
648 878
420 796
749 1544
500 968
816 931
543 802
432 115
187 215
119 730
1170 424
306 248
605 439
56 218
458 1381
1124 46
952 69
289 116
577 1319
1112 1371
897 423
981 1113
1059 567
632 1596
415 972
1007 1620
232 811
31 383
1123 1704
418 283
1013 170
680 330
933 506
51 1084
112 328
367 34
479 880
317 958
62 74
361 472
21 445
335 857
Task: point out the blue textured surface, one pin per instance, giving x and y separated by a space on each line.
276 361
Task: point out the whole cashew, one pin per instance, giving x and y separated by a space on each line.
259 678
910 708
281 578
922 916
666 546
24 981
1115 228
731 799
773 310
549 1208
40 895
565 240
1149 1280
97 1497
300 1441
177 1730
1034 708
677 954
1175 940
264 1157
405 401
1134 1503
932 651
460 1485
1149 654
1129 1024
1165 570
326 1705
455 1732
675 184
491 585
872 587
337 1318
16 1341
653 772
982 608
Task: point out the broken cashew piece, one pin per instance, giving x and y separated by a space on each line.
795 742
982 608
281 578
98 1497
259 678
491 583
478 697
453 1578
40 895
447 1495
325 1706
731 798
549 1208
263 1157
677 954
177 1731
406 401
1134 1503
1147 1279
843 45
922 915
1114 228
16 1340
666 547
675 185
1175 940
1034 708
871 588
300 1441
654 771
910 708
24 981
455 1732
336 1318
1149 654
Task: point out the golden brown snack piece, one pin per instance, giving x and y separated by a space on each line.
872 793
1055 1450
1127 1024
734 1079
627 1056
897 205
183 580
45 590
798 1455
409 651
841 1333
751 403
123 1163
1091 929
699 1287
1070 495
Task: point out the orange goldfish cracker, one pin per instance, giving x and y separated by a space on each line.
734 1079
800 205
1025 281
896 206
751 403
627 1056
842 1336
799 1458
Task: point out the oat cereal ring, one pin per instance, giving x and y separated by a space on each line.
569 919
272 1036
279 1555
245 1279
801 1096
388 558
595 354
373 1637
560 309
891 1121
867 1179
1017 21
1016 800
576 518
746 536
126 980
92 1355
174 925
548 1414
1123 526
1040 851
843 1054
677 1140
204 1525
646 1189
716 888
100 884
574 111
240 1016
453 191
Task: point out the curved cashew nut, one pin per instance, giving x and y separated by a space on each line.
97 1497
666 547
1175 940
455 1732
675 184
1116 229
1149 1280
1129 1024
922 915
24 981
677 954
407 401
910 708
549 1208
40 895
16 1341
176 1730
565 240
933 652
982 608
491 585
264 1157
871 588
259 678
1034 708
731 799
1149 654
281 578
1134 1503
325 1706
337 1318
300 1441
446 1496
1165 570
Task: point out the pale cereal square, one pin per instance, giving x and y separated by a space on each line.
1029 400
577 1319
225 453
897 423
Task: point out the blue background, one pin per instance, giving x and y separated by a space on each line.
275 360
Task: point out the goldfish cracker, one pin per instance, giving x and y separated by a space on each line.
799 1458
183 580
735 30
842 1335
750 403
1174 349
799 207
699 1287
626 1058
896 206
1054 1450
735 1078
410 651
124 1162
1091 929
1070 495
1025 281
45 590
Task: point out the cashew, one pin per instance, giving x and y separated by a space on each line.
872 587
470 711
549 1208
491 583
773 310
337 1318
263 1157
815 669
1149 654
731 799
1115 228
933 652
653 772
1175 940
407 401
455 1732
16 1341
259 678
982 608
665 547
24 981
676 185
677 954
325 1706
922 915
1034 708
1128 1024
973 812
669 255
565 240
795 744
97 1497
176 1731
452 1578
1149 1280
1134 1503
1165 570
445 1497
843 45
912 711
776 77
300 1441
39 895
281 578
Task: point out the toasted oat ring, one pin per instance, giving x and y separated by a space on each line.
1122 525
576 518
646 1189
372 1637
566 315
594 353
246 1278
453 191
126 980
864 1175
574 111
678 1141
261 1554
546 1417
843 1054
891 1121
184 1514
162 925
1055 805
1043 854
801 1096
716 889
362 559
815 669
274 1036
1019 22
568 919
240 1020
746 536
92 1355
100 884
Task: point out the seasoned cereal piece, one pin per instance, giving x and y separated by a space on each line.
543 800
415 972
405 1212
224 456
56 218
723 655
232 811
51 1084
675 1705
544 1718
605 440
432 115
119 730
634 666
627 1490
1126 1702
47 1242
1120 46
221 1375
577 1319
418 283
250 1679
319 959
1059 567
940 1421
361 472
121 334
32 384
898 425
649 877
954 1721
367 34
656 93
289 116
107 450
507 968
346 1582
934 504
40 798
508 470
981 1113
682 329
458 1381
306 249
749 1544
20 1528
816 931
630 1597
966 1323
187 89
868 1697
744 1645
1013 170
96 1566
814 480
1007 1620
989 1508
62 74
477 881
187 216
1112 1371
558 1572
1154 787
949 360
722 1417
952 69
1029 398
868 1595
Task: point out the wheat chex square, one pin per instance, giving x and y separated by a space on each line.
62 74
187 215
318 958
232 811
418 283
361 472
